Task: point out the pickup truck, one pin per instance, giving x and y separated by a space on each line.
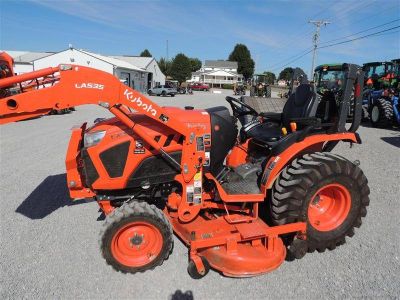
200 87
162 90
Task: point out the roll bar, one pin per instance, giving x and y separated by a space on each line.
354 83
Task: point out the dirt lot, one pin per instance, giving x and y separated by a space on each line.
49 244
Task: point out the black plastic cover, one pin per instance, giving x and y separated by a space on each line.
114 159
154 170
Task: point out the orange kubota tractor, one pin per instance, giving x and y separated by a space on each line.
157 170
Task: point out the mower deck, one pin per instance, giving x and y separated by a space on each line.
232 245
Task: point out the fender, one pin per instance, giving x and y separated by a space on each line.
276 163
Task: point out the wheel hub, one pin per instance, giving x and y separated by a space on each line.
375 114
329 207
137 239
136 244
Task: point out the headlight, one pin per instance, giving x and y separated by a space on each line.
93 138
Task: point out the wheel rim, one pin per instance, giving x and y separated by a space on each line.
375 114
136 244
329 207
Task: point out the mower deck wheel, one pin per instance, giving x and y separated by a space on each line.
136 237
192 269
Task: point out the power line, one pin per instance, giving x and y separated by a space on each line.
379 33
360 31
292 41
296 59
286 59
363 19
342 15
298 36
359 38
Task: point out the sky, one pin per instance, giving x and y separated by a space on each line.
277 33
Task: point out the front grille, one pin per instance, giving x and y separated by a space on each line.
89 170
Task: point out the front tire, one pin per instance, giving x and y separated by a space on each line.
136 237
381 114
326 191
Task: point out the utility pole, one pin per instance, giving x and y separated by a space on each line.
257 62
318 25
167 51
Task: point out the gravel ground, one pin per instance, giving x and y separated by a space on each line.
49 244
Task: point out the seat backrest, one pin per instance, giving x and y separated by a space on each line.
301 104
223 137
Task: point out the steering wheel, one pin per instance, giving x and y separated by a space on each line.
238 107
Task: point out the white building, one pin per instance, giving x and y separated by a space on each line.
131 75
23 60
155 76
217 73
140 73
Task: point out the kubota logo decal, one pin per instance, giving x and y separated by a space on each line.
139 102
89 85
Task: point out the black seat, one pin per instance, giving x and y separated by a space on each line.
301 104
223 137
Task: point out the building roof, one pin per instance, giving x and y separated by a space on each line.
223 64
113 61
13 53
27 57
139 61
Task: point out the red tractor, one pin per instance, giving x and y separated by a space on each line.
157 170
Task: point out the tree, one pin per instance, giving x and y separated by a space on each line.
195 64
146 53
243 57
269 77
286 74
165 66
181 69
299 73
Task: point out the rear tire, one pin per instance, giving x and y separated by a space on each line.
381 114
136 237
326 191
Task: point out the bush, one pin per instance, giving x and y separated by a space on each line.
227 86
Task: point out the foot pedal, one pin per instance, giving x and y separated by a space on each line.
241 187
252 230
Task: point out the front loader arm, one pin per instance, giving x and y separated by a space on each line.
80 85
